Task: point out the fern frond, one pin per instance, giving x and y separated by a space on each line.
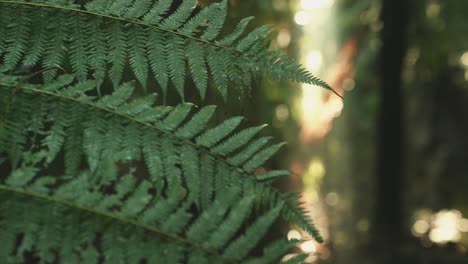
120 222
261 157
98 50
142 34
78 46
139 8
137 54
236 141
298 259
160 8
208 170
74 139
239 248
274 251
298 215
258 33
37 40
218 67
178 18
171 140
94 131
17 39
248 152
176 63
198 68
216 21
117 51
215 135
55 137
13 131
271 175
198 122
55 50
175 118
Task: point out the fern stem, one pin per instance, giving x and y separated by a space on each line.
111 216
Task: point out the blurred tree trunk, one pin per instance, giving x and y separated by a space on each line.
388 224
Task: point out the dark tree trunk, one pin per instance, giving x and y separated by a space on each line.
388 223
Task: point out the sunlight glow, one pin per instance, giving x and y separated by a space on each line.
318 112
464 59
315 4
284 38
314 60
420 227
363 225
302 18
445 227
312 179
463 225
316 109
288 257
282 112
433 10
349 84
316 169
309 247
332 199
294 234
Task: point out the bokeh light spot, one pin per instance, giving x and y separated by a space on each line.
464 59
294 234
284 38
302 18
308 247
332 199
315 4
282 112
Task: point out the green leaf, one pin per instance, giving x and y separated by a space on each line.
197 123
240 28
137 54
176 63
176 117
216 22
231 224
22 176
272 175
249 151
121 95
237 141
298 259
197 65
159 8
240 247
182 13
215 135
157 55
117 52
260 158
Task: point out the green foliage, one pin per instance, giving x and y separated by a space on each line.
89 35
92 175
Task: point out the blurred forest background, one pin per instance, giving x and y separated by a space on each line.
384 172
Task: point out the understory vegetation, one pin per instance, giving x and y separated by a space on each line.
96 167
